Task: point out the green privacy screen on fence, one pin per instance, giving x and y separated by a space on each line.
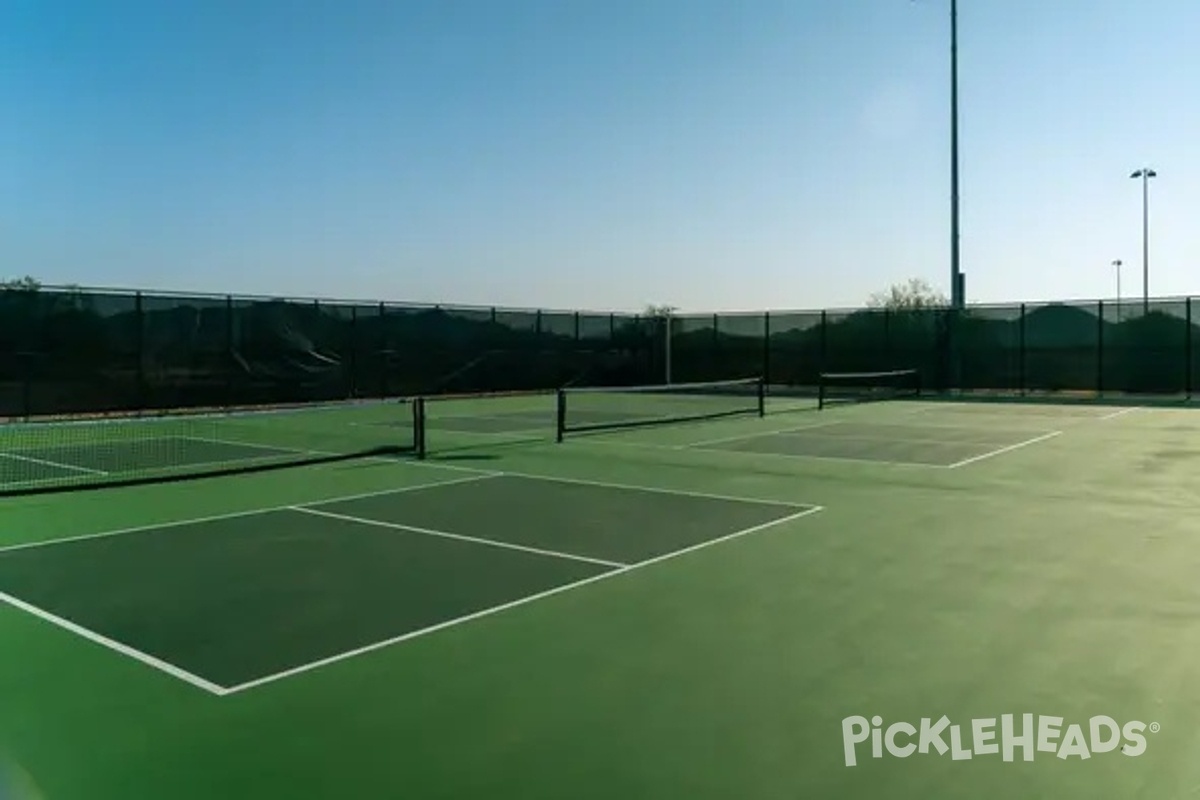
79 351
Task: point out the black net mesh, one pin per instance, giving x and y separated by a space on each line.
917 340
985 347
186 353
58 455
71 352
694 348
20 322
599 360
566 359
1062 347
610 408
1193 347
861 387
87 354
741 345
1146 349
559 329
456 342
794 357
291 351
640 345
856 341
517 359
407 361
366 360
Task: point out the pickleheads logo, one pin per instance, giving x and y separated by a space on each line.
1028 733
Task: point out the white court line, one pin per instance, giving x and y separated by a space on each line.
885 439
57 464
512 604
112 644
1120 413
613 485
479 476
1008 449
460 537
706 442
727 452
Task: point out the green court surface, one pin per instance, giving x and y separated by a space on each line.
694 610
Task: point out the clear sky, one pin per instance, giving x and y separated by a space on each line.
602 154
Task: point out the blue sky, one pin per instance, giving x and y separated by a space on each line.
597 153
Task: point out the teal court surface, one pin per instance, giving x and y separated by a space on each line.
676 610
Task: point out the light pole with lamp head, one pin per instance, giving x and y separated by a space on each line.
1117 263
1145 174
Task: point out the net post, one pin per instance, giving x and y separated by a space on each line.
418 411
821 387
761 387
560 416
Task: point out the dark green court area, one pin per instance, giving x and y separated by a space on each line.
246 597
905 443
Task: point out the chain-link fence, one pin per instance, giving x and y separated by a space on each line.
82 351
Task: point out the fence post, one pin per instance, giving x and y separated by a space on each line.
888 353
1187 350
230 358
139 347
382 358
1100 347
667 325
824 353
576 337
766 356
1021 352
353 387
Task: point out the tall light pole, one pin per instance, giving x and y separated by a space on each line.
957 285
1145 173
957 289
1117 263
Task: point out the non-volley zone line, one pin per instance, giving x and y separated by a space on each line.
789 511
